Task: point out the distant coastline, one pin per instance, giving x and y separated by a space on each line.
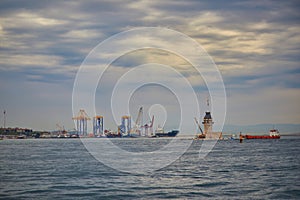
284 129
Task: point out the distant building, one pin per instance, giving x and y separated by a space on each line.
208 127
15 131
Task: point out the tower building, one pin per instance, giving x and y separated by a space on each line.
207 123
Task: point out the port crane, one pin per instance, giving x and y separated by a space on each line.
198 125
139 120
149 127
202 135
81 120
98 126
61 130
140 129
125 127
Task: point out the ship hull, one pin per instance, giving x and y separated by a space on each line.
262 137
168 134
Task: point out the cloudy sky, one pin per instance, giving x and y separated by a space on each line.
255 45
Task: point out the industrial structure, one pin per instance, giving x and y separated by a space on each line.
139 129
125 127
148 128
81 122
200 135
136 130
61 132
98 126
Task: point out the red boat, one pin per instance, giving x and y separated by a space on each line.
274 134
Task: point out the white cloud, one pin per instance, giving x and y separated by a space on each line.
30 20
205 18
20 61
83 34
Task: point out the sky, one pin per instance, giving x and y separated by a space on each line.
254 44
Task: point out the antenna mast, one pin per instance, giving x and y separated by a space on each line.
4 120
207 103
207 100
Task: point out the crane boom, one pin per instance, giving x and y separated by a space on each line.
152 121
139 117
198 125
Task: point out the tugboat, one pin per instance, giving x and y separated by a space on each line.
274 134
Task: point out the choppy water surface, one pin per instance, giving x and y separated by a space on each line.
62 168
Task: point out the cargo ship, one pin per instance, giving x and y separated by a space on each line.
172 133
159 132
274 134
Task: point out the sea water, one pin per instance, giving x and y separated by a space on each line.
64 169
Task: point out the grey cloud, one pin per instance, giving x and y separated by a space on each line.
260 37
